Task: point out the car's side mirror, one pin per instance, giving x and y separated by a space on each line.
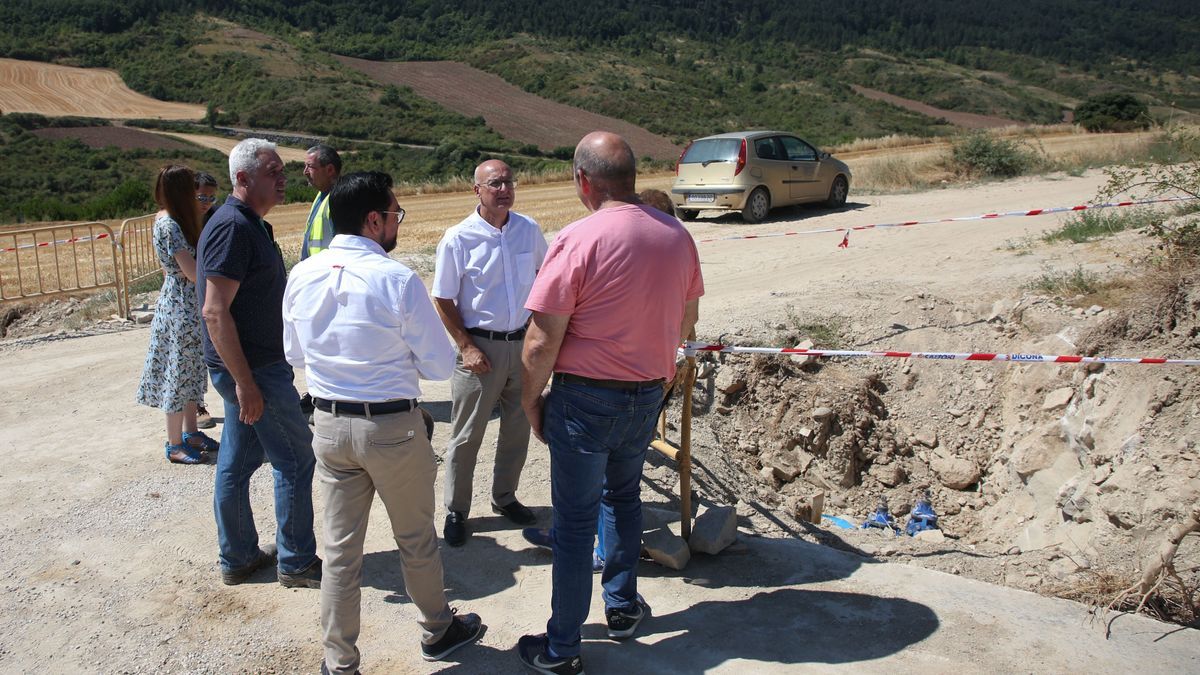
822 155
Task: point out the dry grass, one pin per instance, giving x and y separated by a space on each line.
896 167
59 91
899 173
34 270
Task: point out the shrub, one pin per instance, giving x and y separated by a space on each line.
982 155
1112 112
1089 225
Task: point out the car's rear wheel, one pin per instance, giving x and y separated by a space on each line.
757 206
686 214
838 192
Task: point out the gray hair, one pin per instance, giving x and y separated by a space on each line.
617 169
326 156
245 156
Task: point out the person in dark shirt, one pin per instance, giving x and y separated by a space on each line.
240 279
206 206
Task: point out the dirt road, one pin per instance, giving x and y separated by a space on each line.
108 557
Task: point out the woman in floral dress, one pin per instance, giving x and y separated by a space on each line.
174 378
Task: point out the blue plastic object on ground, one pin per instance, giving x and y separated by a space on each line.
840 522
881 518
923 517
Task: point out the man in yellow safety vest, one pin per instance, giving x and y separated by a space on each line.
322 166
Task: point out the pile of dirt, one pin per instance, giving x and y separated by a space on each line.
67 316
1046 477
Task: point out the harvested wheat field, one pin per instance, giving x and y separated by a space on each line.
512 112
225 144
60 91
124 138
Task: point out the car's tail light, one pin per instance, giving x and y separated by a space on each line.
741 162
680 160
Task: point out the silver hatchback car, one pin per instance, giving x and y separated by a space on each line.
754 172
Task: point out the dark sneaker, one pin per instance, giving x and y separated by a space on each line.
539 537
309 577
455 530
463 630
516 512
534 653
622 623
266 556
203 419
597 562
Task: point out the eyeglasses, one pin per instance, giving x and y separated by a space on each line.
495 184
207 199
399 215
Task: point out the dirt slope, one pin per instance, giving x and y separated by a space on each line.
512 112
58 91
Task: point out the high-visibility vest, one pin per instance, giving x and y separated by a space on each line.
319 232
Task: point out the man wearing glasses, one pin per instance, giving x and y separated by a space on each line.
485 268
362 327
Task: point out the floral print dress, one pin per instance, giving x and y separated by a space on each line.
174 373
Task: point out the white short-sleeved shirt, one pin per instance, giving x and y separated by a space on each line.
362 326
488 272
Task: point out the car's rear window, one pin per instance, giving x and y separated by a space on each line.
712 150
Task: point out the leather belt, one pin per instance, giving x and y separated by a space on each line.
367 409
506 336
624 385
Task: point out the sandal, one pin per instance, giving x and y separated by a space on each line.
206 443
190 455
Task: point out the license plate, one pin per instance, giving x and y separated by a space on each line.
705 197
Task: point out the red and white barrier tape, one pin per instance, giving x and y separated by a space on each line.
941 356
57 242
986 216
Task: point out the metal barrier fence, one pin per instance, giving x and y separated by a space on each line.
59 259
138 258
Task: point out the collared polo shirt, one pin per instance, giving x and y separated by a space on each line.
237 244
488 272
362 325
623 276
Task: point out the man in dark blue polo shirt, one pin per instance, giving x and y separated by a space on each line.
240 279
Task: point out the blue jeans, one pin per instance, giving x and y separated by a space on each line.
598 439
282 434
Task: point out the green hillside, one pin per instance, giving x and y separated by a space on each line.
680 69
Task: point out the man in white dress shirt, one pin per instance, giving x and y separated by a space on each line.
485 268
364 330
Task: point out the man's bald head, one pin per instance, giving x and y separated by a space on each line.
490 168
608 162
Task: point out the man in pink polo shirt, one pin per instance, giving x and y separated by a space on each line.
616 294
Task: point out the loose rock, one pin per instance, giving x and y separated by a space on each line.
715 528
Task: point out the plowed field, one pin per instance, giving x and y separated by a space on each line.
58 91
512 112
122 137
